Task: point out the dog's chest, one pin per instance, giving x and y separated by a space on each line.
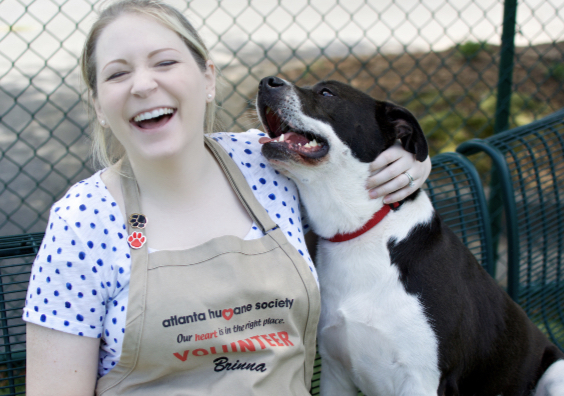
367 313
359 283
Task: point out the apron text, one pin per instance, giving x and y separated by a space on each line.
250 344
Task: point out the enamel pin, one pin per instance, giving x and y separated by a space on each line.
136 240
138 220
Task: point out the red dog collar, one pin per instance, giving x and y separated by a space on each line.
378 216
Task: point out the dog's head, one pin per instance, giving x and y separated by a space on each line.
307 126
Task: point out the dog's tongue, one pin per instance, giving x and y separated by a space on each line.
265 139
289 137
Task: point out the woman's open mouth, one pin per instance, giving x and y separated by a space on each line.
282 133
154 118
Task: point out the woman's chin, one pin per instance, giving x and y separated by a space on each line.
163 152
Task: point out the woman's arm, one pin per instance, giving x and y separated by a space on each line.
80 267
387 177
60 363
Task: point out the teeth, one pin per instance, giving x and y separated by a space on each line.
310 144
153 114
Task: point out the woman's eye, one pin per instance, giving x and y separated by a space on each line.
167 63
115 75
326 92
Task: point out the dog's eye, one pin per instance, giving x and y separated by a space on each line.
326 92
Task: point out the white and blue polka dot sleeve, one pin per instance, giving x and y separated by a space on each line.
79 268
64 292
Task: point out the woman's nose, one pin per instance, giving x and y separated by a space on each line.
143 83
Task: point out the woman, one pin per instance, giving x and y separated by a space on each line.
226 293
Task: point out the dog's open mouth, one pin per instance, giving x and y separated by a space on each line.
283 134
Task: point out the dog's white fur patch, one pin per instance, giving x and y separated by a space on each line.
369 321
552 381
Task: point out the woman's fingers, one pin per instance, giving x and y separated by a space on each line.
387 157
388 178
392 171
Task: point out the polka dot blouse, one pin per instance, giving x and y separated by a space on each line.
80 278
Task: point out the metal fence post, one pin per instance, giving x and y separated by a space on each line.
505 81
502 112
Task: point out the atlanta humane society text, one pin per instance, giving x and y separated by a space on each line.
227 313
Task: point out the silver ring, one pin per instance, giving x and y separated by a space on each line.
411 181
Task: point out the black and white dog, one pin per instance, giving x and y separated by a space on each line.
406 308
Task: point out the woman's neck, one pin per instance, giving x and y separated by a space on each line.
176 180
188 200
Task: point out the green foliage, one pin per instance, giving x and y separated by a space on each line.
449 119
556 71
470 49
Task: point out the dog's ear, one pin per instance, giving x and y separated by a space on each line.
408 130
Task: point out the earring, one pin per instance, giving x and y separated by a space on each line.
209 96
103 122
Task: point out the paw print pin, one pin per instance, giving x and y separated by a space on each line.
136 240
138 220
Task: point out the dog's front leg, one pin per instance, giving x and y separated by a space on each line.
335 380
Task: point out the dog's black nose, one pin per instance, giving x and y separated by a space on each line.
272 82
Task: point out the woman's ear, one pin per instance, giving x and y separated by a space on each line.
99 114
209 75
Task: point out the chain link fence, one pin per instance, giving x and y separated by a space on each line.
440 59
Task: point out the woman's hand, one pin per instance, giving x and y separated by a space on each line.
387 174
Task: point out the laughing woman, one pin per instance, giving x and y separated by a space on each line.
179 268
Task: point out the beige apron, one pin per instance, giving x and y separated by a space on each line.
229 317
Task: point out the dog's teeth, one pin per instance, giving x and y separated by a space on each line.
313 143
307 145
281 138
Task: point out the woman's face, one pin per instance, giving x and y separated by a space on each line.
151 92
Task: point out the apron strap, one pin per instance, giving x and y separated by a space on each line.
137 290
241 187
139 257
129 189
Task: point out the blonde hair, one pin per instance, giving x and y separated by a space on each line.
106 149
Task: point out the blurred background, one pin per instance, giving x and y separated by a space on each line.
466 68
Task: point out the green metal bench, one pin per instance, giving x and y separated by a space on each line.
455 189
529 165
16 255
